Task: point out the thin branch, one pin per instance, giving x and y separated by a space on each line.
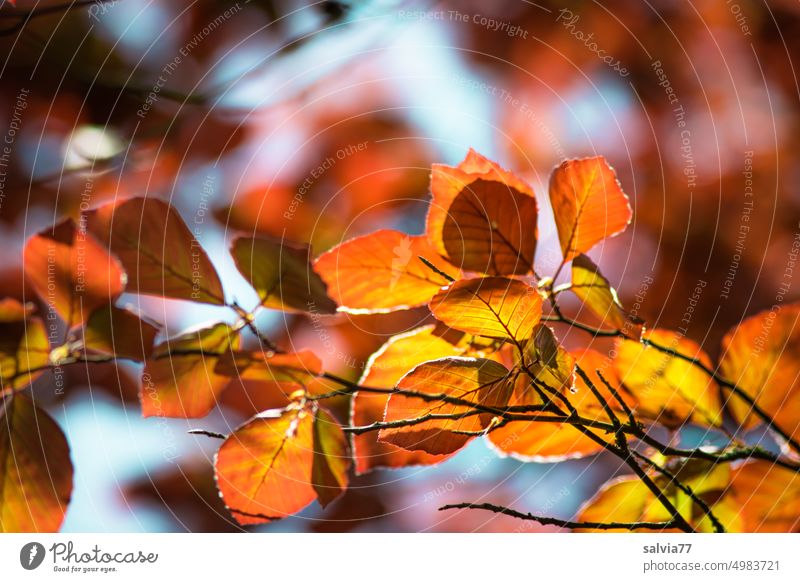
633 525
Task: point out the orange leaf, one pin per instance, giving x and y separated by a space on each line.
588 203
482 218
331 458
591 287
762 356
157 250
382 272
489 306
669 390
478 381
299 367
35 468
180 380
384 370
766 497
119 332
265 469
282 275
552 442
71 272
24 345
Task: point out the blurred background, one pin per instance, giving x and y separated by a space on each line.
320 121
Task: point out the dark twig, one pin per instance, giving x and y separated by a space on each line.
634 525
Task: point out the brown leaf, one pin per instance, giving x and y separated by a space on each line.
157 249
282 275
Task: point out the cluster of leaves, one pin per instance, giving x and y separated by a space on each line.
488 365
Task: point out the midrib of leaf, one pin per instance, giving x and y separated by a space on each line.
581 206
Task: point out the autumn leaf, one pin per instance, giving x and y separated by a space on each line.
765 497
157 249
259 365
119 332
382 272
588 203
553 442
71 271
24 345
669 389
478 381
594 290
627 499
384 369
489 306
482 218
35 468
331 458
549 363
282 275
762 357
265 469
179 379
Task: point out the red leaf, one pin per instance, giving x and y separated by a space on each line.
71 272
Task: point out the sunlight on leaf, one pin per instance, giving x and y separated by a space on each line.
478 381
762 356
490 306
179 379
382 272
35 468
384 369
588 203
482 218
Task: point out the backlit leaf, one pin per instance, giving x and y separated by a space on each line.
490 306
282 275
259 365
264 469
120 332
482 218
591 287
157 249
478 381
24 345
669 390
35 468
382 272
762 356
588 203
180 380
550 442
71 271
384 370
331 458
766 497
